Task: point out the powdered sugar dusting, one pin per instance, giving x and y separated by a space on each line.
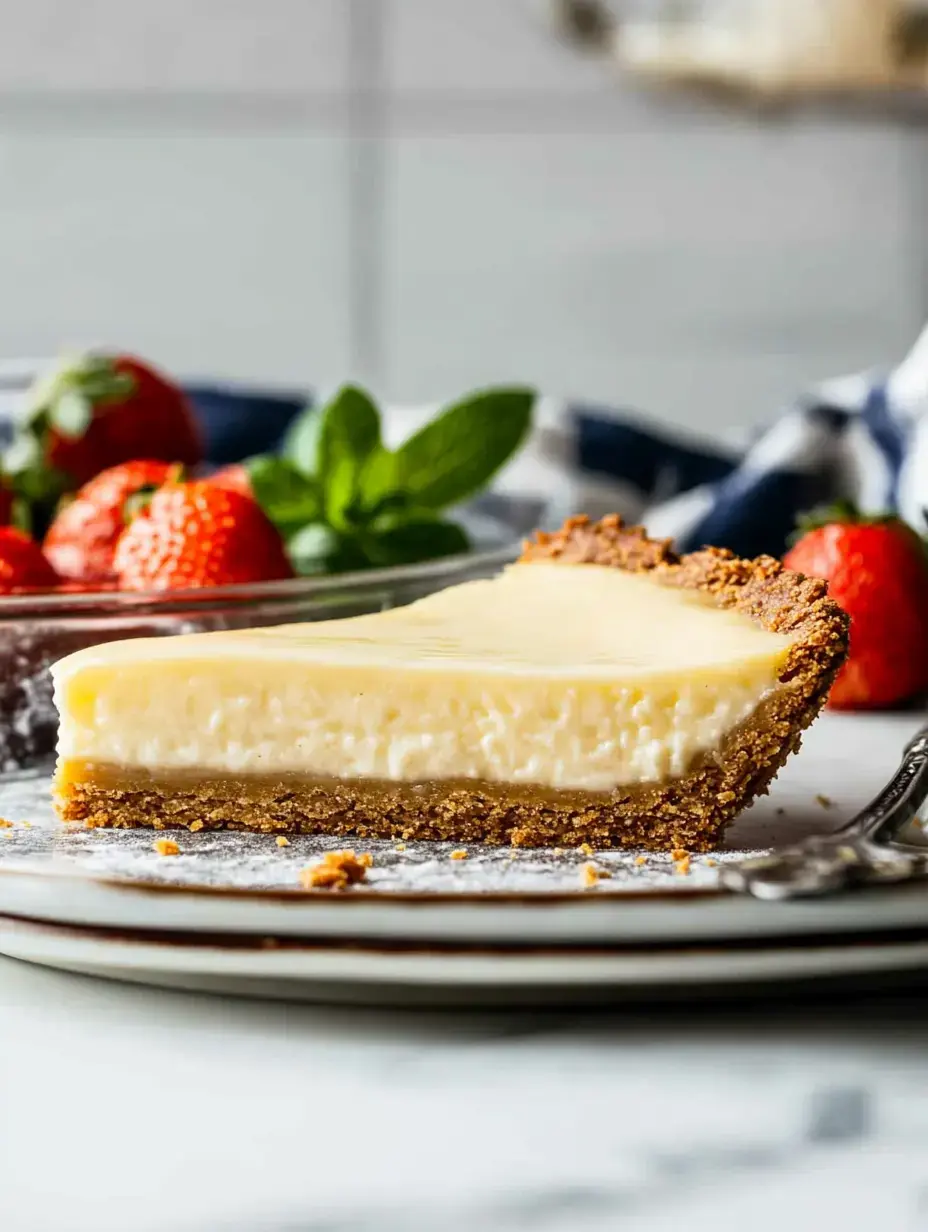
235 860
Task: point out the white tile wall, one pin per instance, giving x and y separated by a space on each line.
100 46
214 254
482 47
668 270
174 176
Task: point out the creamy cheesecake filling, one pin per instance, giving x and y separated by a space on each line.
582 678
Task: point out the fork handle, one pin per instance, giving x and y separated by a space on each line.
855 854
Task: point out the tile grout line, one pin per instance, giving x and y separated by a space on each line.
366 187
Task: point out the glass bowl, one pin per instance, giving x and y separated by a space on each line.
37 630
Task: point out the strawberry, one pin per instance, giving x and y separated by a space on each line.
85 588
82 539
877 571
6 503
197 534
233 477
92 412
22 564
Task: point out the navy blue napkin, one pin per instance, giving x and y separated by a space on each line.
239 421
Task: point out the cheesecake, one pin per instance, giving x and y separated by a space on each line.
600 690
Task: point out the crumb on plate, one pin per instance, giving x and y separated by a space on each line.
400 847
682 866
641 860
5 825
825 801
166 847
282 841
459 853
585 849
590 873
336 871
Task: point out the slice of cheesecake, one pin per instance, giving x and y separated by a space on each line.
600 690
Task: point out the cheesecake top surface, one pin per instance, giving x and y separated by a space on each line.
541 618
600 660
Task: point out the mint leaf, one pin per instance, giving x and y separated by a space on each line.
312 548
301 441
349 434
405 540
458 452
288 497
317 548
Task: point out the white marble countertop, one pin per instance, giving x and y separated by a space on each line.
131 1109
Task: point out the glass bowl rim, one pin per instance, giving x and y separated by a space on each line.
31 605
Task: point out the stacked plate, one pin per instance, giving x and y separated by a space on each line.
228 913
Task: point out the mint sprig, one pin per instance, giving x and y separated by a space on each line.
342 500
289 497
459 452
347 438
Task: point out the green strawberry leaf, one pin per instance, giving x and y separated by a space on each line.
70 412
65 397
36 487
138 502
844 512
100 382
289 498
24 453
349 435
21 516
404 540
457 453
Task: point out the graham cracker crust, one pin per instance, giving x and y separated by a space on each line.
689 812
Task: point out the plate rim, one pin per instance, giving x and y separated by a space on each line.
137 959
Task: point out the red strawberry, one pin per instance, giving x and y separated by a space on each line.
82 539
878 572
6 504
198 534
233 477
95 411
85 588
22 564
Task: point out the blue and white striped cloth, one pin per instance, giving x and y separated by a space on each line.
862 438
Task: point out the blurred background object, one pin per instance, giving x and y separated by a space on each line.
769 47
430 195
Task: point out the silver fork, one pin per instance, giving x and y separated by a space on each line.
866 850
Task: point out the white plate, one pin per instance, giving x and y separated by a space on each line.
401 974
245 884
